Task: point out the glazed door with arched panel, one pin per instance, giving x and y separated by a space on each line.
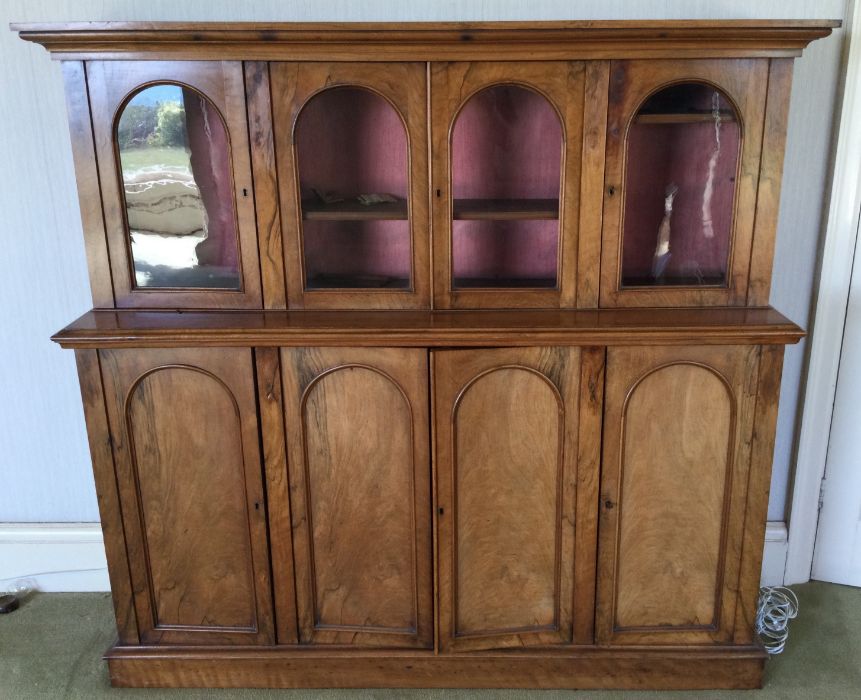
682 168
351 148
506 143
171 140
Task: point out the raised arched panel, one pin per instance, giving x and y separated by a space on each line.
677 434
187 457
507 461
359 476
506 452
360 494
189 473
676 420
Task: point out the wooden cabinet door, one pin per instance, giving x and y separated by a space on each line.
678 425
185 180
360 497
345 130
185 440
713 206
516 454
506 143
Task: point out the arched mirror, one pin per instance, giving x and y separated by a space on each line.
353 168
681 166
506 159
174 155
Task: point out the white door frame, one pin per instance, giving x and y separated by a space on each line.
829 318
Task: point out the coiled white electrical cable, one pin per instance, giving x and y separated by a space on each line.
775 607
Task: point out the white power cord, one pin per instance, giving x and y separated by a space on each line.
774 609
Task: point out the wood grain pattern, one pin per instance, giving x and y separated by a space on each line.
745 83
98 433
452 85
266 204
110 82
596 87
576 667
506 432
273 444
404 86
759 483
184 429
505 328
87 178
676 422
357 427
590 420
770 175
430 41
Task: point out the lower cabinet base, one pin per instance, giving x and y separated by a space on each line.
586 667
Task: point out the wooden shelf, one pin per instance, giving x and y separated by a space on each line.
682 118
488 328
504 283
322 282
353 210
505 209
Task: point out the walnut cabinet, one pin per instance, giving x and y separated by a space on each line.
431 354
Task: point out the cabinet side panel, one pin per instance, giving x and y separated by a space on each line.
87 176
761 455
99 437
770 176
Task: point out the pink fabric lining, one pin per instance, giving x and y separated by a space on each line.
506 144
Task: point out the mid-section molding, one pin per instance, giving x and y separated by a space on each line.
488 328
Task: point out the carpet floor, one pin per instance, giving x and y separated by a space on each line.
52 646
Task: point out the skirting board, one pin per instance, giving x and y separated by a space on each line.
71 556
56 557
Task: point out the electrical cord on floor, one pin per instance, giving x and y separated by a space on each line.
775 607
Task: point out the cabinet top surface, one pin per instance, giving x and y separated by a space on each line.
427 40
486 328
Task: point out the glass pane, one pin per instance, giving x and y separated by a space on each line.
351 147
506 156
178 186
683 151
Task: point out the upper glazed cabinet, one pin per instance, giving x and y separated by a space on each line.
549 184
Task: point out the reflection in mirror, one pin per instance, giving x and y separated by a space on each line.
174 154
682 156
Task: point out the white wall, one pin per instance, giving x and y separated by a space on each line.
44 461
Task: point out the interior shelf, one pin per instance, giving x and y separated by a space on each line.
505 209
353 210
682 117
504 282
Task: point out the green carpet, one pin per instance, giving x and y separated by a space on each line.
52 646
